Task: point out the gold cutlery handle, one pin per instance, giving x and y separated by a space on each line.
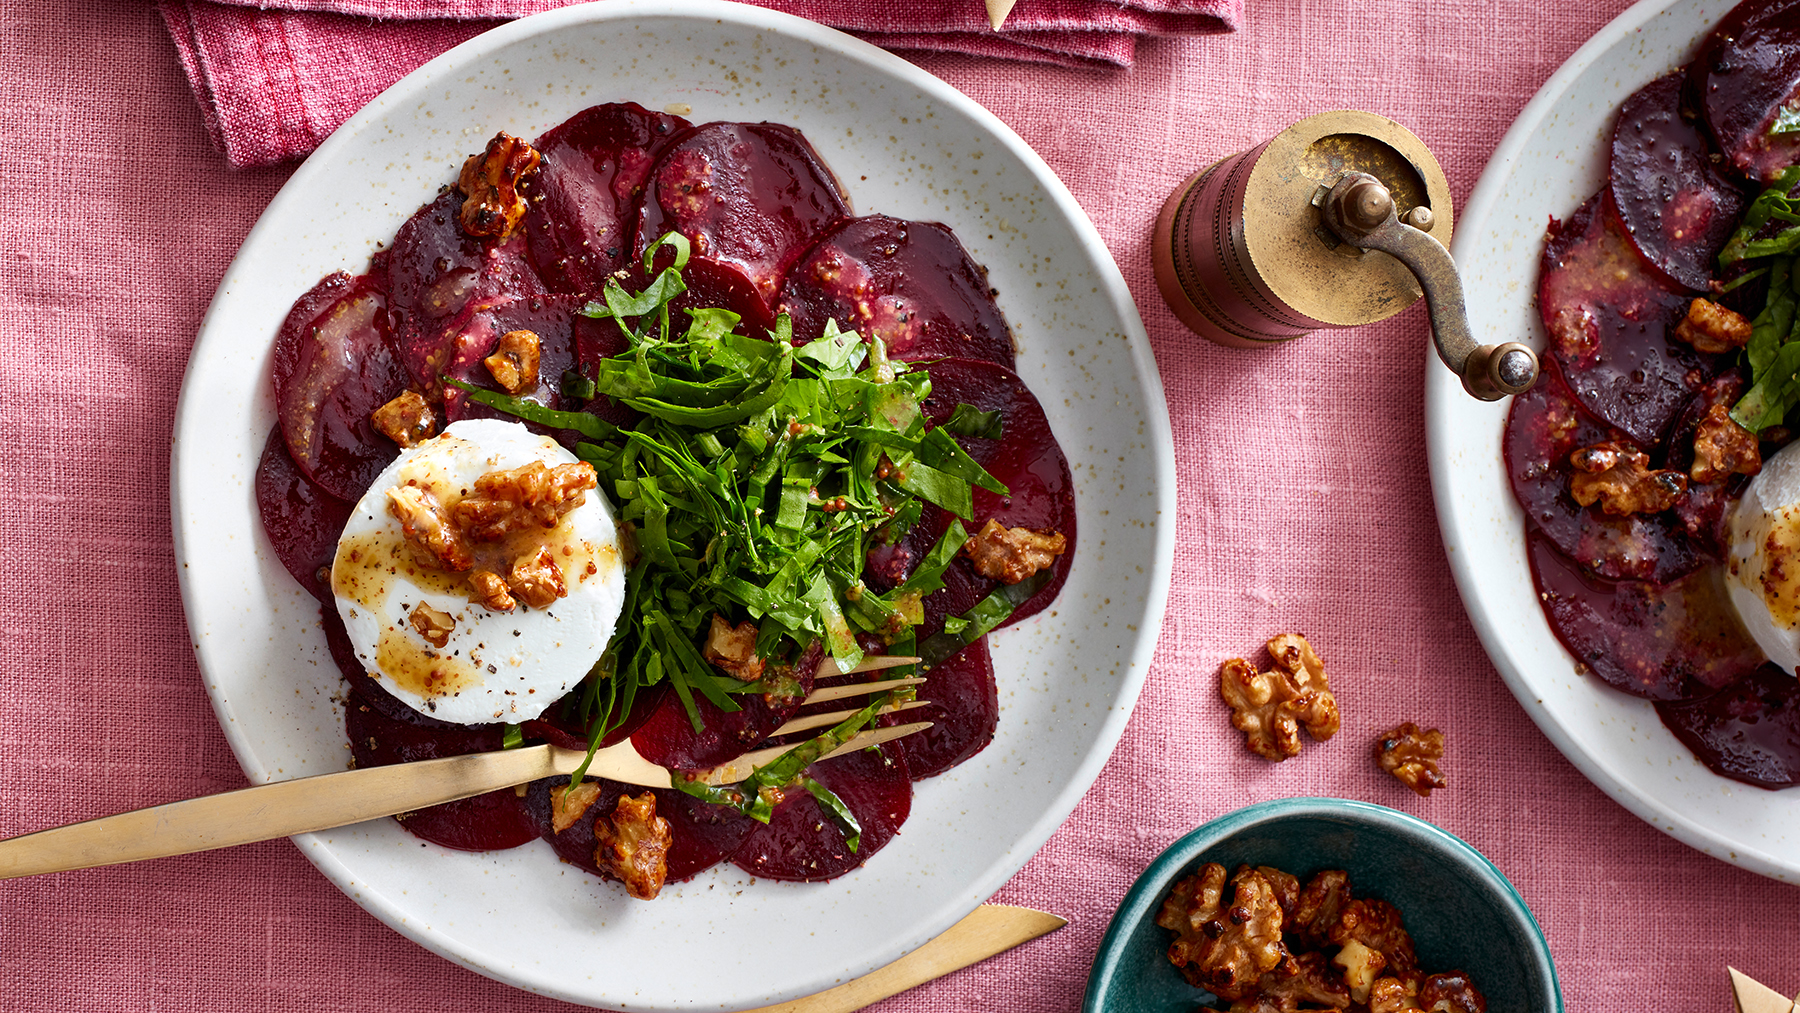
267 811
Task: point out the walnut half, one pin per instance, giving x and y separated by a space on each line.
633 844
1010 555
1618 476
1269 707
1412 755
1723 448
1710 327
1224 949
493 207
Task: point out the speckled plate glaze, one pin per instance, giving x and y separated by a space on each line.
903 143
1554 157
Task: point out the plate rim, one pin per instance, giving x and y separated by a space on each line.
1442 396
1158 435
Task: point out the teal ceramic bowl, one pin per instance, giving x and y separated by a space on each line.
1461 912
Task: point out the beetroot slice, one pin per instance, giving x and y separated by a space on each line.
583 196
668 738
745 194
1662 642
909 283
964 711
1544 427
802 842
334 365
1747 71
1607 312
701 835
302 520
1748 731
555 727
477 332
1677 208
465 277
489 822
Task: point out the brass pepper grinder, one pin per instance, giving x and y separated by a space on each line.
1340 220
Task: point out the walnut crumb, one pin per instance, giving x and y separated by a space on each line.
1412 756
493 207
1710 327
1010 555
433 625
514 364
569 802
407 420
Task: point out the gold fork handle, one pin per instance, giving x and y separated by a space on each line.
281 809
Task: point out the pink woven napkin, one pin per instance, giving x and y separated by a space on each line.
275 80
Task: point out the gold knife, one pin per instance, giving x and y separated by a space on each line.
988 930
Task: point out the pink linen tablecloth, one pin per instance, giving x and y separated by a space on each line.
1303 506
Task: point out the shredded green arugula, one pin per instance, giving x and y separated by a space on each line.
753 485
1770 231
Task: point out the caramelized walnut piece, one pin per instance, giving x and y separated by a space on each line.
1451 992
1258 709
733 649
527 496
514 364
1710 327
633 844
1225 950
536 580
1286 887
1318 907
1315 706
1723 448
1412 756
407 420
568 803
1361 964
1010 555
1377 925
491 592
1618 475
490 182
1304 983
1393 995
434 539
431 624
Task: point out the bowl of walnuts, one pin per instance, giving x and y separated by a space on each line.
1322 903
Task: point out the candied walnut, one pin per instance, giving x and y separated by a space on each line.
536 580
1315 706
1451 992
1304 983
1286 887
514 364
1225 950
1393 995
1010 555
407 419
1618 475
490 182
491 592
1723 448
431 624
1412 756
633 844
1710 327
733 649
569 802
1258 708
531 495
1375 924
1318 907
435 540
1361 964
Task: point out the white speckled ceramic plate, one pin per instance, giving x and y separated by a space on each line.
904 143
1552 159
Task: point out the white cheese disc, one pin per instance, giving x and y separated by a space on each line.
493 666
1763 569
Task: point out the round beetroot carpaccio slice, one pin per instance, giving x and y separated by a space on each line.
802 842
585 193
909 283
490 822
334 365
1748 731
1026 459
478 331
748 195
668 738
701 835
964 711
1676 207
1661 642
302 520
1544 426
1607 314
1748 70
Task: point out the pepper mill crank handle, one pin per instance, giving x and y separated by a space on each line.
1361 211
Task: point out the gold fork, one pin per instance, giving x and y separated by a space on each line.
323 801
